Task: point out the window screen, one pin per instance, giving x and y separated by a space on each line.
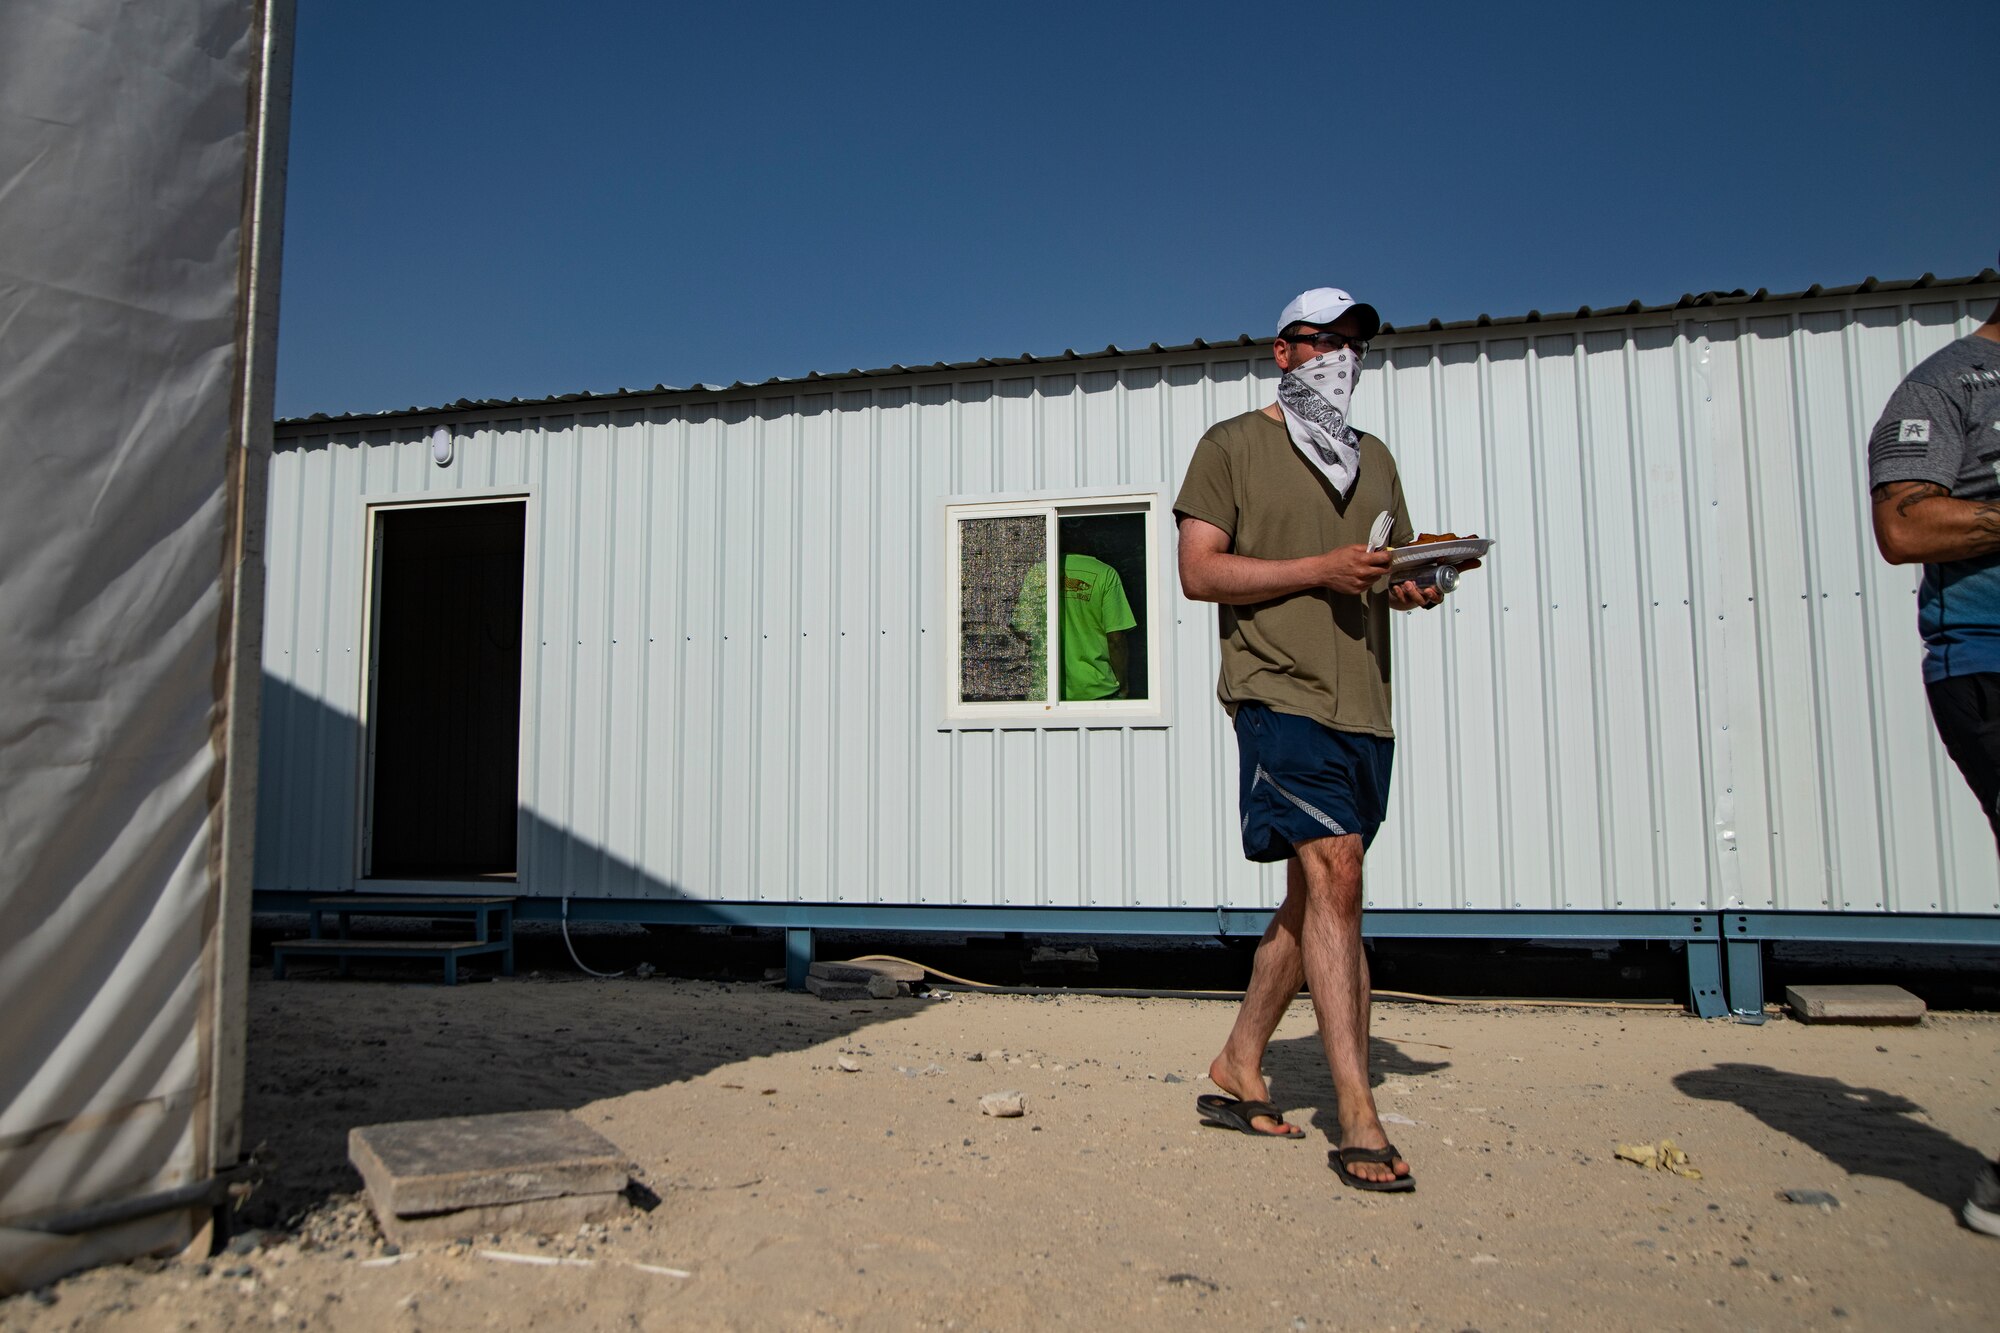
1002 643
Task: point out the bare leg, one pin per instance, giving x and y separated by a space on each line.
1275 976
1337 970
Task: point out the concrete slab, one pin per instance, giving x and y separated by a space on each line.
862 972
1061 958
476 1161
839 990
535 1217
1854 1004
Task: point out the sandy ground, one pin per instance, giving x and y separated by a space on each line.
793 1194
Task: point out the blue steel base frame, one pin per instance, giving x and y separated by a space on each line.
1744 935
1698 932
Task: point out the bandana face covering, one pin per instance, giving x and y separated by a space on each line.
1315 399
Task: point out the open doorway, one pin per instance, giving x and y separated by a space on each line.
444 723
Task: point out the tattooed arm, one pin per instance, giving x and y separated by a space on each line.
1919 522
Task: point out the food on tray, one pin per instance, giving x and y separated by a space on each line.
1432 551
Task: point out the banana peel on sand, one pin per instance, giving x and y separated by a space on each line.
1661 1156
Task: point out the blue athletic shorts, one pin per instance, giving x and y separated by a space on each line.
1301 780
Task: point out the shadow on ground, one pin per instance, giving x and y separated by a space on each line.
327 1055
1865 1131
1297 1070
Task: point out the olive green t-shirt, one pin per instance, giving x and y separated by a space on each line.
1318 654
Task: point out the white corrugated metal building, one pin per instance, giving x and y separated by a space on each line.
1681 701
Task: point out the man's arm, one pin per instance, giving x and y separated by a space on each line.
1120 656
1210 572
1918 522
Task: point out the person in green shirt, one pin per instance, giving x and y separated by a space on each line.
1095 616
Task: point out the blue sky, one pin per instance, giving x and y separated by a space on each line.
510 199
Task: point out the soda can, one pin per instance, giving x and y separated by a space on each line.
1442 577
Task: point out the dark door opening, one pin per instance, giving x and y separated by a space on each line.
445 726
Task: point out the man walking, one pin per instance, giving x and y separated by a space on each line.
1277 517
1934 467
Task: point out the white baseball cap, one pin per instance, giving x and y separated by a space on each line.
1323 305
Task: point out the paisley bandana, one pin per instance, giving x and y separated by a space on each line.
1315 399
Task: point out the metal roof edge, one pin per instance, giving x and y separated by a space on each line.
1688 301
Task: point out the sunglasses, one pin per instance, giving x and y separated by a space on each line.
1328 342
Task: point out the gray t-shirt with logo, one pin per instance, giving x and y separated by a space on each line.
1942 425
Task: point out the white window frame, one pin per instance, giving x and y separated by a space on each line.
1053 506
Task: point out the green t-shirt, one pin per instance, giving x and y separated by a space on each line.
1093 608
1317 654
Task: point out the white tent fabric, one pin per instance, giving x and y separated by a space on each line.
135 156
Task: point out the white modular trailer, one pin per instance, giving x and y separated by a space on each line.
142 148
1684 683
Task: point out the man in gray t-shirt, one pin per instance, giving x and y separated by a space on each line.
1934 468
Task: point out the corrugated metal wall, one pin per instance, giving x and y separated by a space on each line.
1684 681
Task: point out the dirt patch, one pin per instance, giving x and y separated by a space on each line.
794 1193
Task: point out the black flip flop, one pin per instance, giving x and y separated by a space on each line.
1229 1113
1338 1159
